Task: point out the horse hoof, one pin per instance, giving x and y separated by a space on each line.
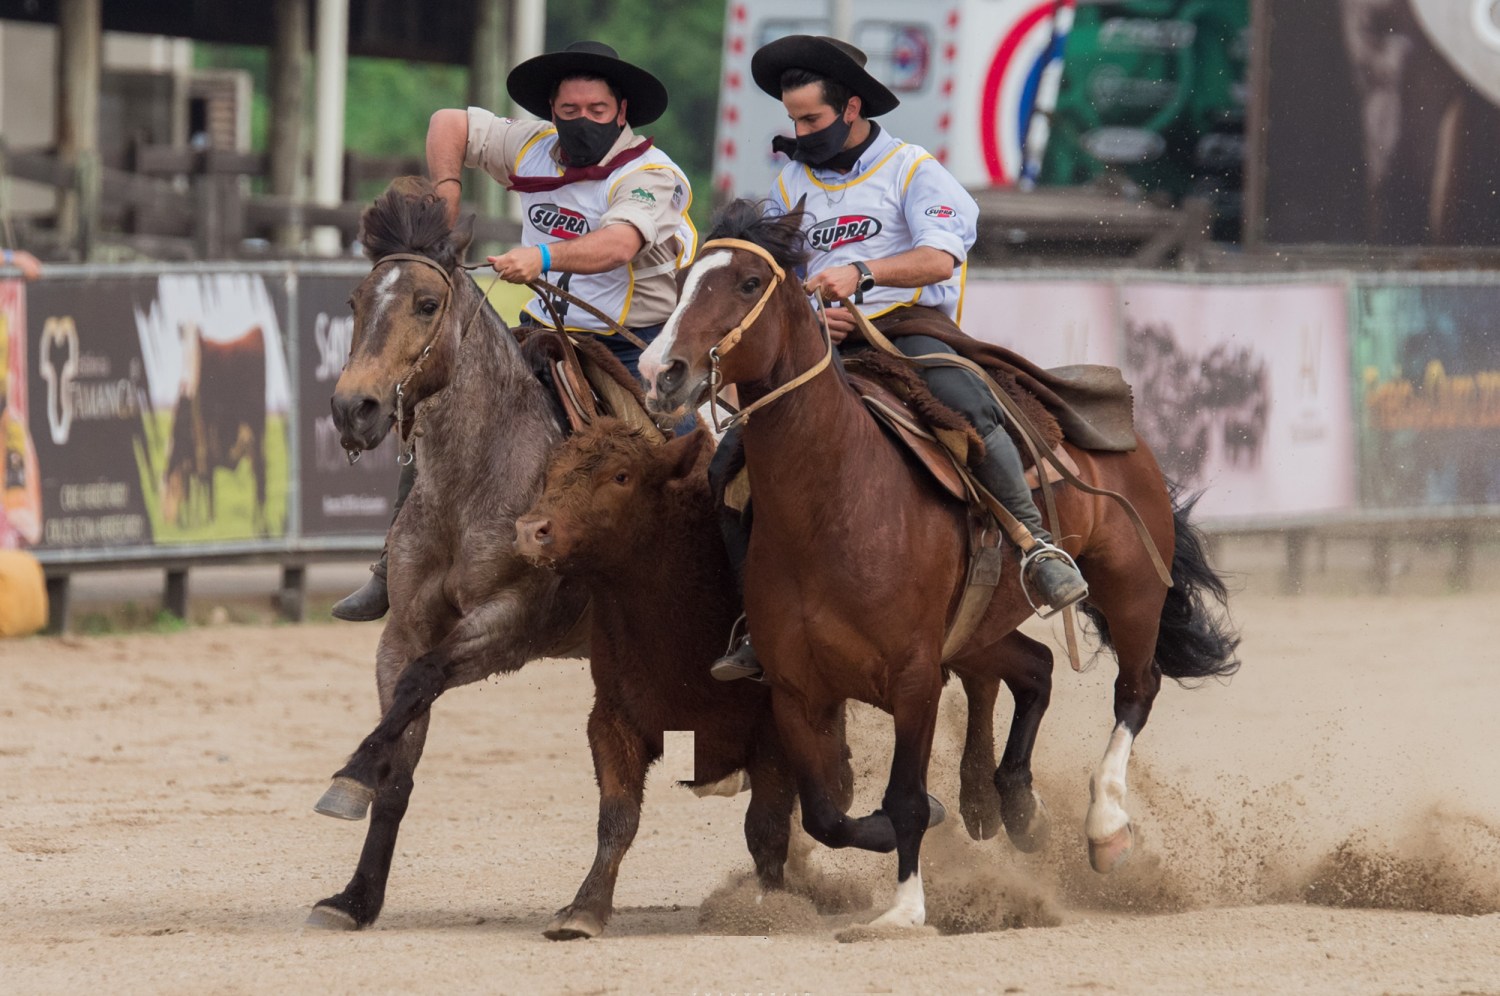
1106 855
936 811
331 918
346 799
1038 829
573 925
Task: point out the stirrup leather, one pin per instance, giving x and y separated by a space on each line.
1042 550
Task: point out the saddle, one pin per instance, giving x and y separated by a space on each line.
586 379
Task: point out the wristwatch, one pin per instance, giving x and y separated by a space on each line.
866 282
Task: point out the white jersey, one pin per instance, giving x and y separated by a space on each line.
896 198
576 209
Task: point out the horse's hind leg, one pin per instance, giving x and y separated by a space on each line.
1132 632
991 795
621 758
977 799
360 902
1029 678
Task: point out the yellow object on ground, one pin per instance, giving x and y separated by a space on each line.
23 594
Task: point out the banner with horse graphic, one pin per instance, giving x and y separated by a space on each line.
160 410
1244 391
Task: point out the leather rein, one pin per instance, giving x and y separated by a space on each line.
732 338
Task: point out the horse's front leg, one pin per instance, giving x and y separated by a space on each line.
915 711
811 737
485 641
360 902
621 757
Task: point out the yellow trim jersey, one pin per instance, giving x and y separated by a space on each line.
896 198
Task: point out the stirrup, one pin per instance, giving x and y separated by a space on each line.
1043 550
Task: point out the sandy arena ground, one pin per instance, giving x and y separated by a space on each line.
1328 822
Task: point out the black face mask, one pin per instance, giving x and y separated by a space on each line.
815 148
585 142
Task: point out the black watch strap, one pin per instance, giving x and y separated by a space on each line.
866 282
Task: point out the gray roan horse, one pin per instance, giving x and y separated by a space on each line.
464 606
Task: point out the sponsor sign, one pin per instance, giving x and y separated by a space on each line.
558 222
20 485
1244 392
337 498
159 410
1427 395
1052 323
844 230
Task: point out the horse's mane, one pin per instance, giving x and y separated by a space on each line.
779 234
409 217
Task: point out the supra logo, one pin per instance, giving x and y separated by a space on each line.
940 211
560 222
842 231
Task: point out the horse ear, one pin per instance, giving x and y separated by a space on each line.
682 456
461 236
798 210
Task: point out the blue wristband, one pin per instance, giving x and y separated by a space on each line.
546 257
9 258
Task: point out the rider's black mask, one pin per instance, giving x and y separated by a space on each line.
585 142
816 148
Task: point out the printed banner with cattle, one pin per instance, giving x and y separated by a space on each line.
159 410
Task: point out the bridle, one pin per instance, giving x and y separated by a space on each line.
732 338
408 452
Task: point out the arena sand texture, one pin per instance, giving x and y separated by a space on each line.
1328 822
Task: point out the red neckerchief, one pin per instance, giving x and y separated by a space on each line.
573 174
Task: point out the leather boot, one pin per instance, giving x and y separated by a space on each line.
740 662
370 602
1046 570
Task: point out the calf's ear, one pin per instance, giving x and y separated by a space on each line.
684 455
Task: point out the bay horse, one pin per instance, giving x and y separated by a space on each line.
855 562
428 349
636 522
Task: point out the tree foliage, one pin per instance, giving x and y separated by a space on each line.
389 100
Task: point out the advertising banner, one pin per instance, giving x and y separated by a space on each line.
20 485
1052 323
1244 392
337 499
1427 395
160 410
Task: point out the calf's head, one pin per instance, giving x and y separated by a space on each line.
605 487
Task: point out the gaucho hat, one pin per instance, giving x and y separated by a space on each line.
532 82
827 57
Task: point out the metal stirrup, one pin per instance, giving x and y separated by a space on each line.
1042 550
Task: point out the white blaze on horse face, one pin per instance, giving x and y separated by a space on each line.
384 293
1107 816
910 907
653 359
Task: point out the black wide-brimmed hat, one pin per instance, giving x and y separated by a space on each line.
827 57
532 83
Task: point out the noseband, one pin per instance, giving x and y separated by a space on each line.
732 338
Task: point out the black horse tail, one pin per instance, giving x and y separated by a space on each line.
1194 642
